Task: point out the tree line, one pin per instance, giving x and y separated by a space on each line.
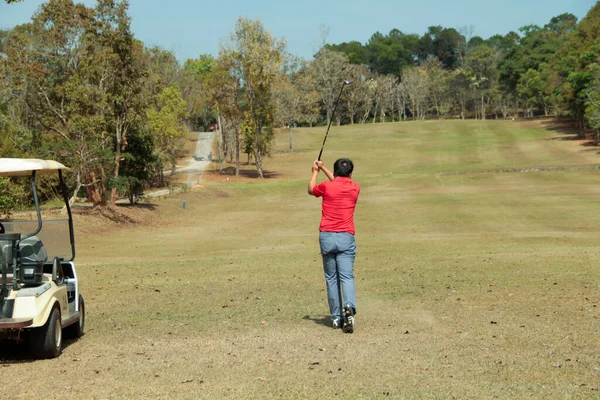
77 86
449 73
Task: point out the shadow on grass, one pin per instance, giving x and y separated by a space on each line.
250 173
140 206
109 210
12 352
568 131
319 320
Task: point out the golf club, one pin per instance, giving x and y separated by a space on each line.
346 82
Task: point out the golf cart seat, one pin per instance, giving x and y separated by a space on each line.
33 257
32 250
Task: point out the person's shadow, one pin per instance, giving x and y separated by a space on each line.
320 320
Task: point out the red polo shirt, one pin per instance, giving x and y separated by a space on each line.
339 201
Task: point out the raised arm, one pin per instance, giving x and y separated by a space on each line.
313 178
325 170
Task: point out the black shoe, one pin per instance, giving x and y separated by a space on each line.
348 319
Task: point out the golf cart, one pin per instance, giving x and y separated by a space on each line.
39 290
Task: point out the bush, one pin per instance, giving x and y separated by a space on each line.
12 196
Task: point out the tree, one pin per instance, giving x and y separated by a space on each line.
482 64
54 67
574 66
592 109
224 89
193 82
294 96
441 43
253 59
533 90
258 61
167 122
384 97
355 51
438 80
461 85
123 87
327 70
139 166
356 95
414 82
390 54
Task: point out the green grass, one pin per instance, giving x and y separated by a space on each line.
472 283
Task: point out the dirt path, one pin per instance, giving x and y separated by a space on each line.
196 165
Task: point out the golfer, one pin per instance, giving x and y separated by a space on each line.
336 238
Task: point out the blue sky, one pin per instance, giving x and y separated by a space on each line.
192 27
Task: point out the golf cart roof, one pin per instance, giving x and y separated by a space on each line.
24 166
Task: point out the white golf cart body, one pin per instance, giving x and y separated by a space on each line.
39 288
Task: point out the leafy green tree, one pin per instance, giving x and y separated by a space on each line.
259 58
461 82
12 196
573 68
167 123
253 59
63 98
537 46
482 64
592 108
505 43
78 71
355 51
441 43
123 88
225 96
139 166
438 84
390 54
533 89
193 82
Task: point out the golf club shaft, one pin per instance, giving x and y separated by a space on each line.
331 119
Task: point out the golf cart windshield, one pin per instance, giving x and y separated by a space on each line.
54 236
46 235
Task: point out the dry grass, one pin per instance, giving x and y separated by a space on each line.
478 285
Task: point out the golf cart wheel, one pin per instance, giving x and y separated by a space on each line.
77 329
46 341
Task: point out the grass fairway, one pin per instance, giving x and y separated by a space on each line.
477 277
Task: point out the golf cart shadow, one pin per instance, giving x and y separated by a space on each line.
320 320
13 353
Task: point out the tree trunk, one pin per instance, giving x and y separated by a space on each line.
94 191
219 141
482 107
291 140
237 151
74 197
117 164
258 153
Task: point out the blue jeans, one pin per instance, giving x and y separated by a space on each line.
339 250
